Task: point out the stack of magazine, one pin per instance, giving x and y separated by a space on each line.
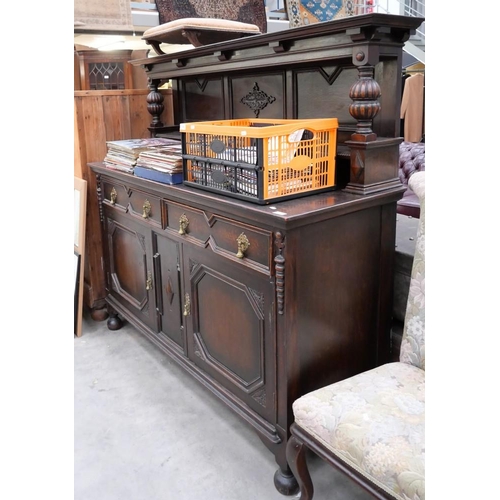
123 154
161 164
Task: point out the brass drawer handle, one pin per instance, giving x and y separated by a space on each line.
113 196
146 209
187 305
183 224
243 245
149 281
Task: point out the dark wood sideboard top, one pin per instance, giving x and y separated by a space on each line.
287 214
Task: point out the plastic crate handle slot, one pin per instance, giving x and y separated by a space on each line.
300 162
218 161
217 146
220 177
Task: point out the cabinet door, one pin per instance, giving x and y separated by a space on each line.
130 266
230 326
168 288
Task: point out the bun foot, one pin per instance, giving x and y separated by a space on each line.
114 322
99 314
285 483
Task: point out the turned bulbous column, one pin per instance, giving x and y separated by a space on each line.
364 93
155 104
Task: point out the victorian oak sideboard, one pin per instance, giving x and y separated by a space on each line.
262 304
307 303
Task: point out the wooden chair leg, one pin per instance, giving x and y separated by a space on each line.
193 37
296 458
156 46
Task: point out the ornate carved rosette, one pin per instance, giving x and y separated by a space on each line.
257 100
260 397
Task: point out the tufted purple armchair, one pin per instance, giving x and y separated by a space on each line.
411 160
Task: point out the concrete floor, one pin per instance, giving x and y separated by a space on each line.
146 430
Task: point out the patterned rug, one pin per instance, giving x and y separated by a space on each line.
303 12
113 15
244 11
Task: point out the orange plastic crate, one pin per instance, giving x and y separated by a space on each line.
260 160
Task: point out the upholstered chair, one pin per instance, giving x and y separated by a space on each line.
411 160
371 425
204 22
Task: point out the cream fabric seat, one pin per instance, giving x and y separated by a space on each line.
372 425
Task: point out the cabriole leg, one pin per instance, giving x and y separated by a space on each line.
296 456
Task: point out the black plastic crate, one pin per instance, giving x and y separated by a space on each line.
260 160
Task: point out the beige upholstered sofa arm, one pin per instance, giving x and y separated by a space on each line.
417 184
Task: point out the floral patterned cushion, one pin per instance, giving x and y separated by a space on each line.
374 421
413 342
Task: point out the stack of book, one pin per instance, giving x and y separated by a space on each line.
123 154
161 164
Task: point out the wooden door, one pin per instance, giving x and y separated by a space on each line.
231 327
166 259
130 261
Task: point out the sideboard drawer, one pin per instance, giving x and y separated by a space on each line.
227 237
138 203
115 194
146 206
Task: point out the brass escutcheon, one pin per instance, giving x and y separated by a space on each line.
243 245
183 224
146 209
187 305
149 281
113 196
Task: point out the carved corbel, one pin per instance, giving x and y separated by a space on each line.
280 46
224 55
368 33
180 63
279 262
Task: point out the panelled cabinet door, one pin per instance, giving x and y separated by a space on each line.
166 259
230 326
130 273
